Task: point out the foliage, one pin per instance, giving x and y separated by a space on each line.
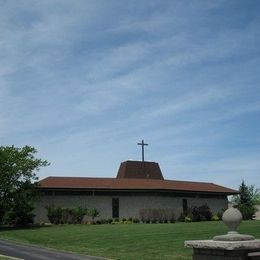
220 213
157 215
215 218
136 220
188 219
18 167
181 218
58 215
201 213
246 200
93 213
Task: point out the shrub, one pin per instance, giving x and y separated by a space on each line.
58 215
220 213
54 214
187 219
93 213
18 217
77 215
104 221
205 212
136 220
181 218
157 215
65 216
201 213
110 220
215 218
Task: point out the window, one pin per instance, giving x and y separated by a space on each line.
185 206
115 207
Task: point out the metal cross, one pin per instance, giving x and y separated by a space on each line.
143 144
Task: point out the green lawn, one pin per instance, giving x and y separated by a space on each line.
126 241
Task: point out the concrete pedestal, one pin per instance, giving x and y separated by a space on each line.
224 250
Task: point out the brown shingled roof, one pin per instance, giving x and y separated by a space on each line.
131 184
139 170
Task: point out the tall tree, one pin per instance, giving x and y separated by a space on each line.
246 200
18 167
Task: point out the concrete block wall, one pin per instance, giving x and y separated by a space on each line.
129 206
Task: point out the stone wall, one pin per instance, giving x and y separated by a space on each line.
129 206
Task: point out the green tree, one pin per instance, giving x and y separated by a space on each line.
18 167
246 200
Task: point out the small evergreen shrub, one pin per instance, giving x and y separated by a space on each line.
136 220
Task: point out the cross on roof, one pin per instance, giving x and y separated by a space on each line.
142 144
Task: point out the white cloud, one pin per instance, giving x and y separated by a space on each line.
78 75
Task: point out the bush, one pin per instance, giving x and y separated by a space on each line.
201 213
215 218
188 219
65 216
77 215
54 214
105 221
136 220
18 217
93 213
157 215
58 215
110 220
220 213
181 218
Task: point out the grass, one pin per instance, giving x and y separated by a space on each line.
126 241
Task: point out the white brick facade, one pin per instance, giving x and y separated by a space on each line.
129 205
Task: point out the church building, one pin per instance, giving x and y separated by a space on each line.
139 185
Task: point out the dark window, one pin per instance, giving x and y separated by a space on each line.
115 208
185 206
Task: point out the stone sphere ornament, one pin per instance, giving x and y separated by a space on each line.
232 217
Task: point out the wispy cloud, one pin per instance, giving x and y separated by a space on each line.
84 81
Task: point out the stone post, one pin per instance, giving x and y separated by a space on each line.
232 246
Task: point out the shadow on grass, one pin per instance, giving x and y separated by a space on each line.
10 227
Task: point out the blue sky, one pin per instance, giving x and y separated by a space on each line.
84 81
